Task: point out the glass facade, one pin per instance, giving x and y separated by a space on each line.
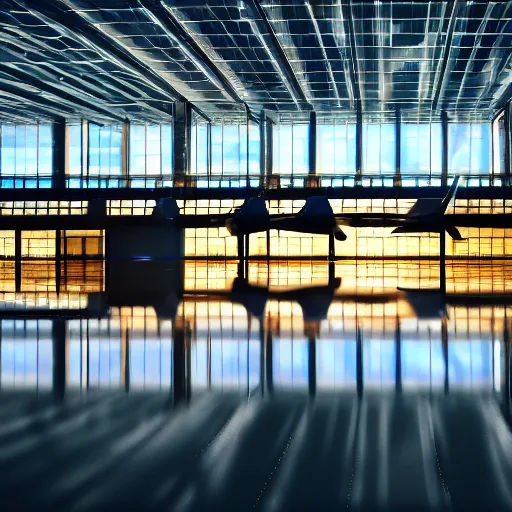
336 148
291 149
227 152
469 150
379 148
105 158
26 151
421 148
150 150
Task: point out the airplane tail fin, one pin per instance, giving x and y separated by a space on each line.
433 206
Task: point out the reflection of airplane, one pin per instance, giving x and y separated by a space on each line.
313 300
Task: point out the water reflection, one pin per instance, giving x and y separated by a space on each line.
230 394
294 328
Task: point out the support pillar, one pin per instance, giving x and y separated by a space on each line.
359 145
444 152
312 143
59 154
442 264
58 260
508 146
332 255
269 148
398 145
182 134
17 260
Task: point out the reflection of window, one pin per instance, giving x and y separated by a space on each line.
150 362
290 362
469 148
151 150
470 363
421 148
230 363
379 148
422 363
291 149
335 363
26 150
336 148
105 150
26 353
379 362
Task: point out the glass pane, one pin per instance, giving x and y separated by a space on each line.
469 148
421 148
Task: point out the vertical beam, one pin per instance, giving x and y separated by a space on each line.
17 260
444 152
359 143
263 144
59 358
269 147
442 265
312 142
58 260
508 132
125 149
182 134
398 146
312 366
59 154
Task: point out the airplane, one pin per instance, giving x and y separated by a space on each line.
317 217
426 215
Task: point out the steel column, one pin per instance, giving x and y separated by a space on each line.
182 135
312 142
444 153
59 154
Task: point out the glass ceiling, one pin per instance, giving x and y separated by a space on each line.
130 59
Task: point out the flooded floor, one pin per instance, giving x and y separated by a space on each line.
203 385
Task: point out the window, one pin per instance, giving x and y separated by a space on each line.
74 139
421 148
229 150
150 150
379 148
336 148
468 148
199 149
26 150
291 149
105 150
